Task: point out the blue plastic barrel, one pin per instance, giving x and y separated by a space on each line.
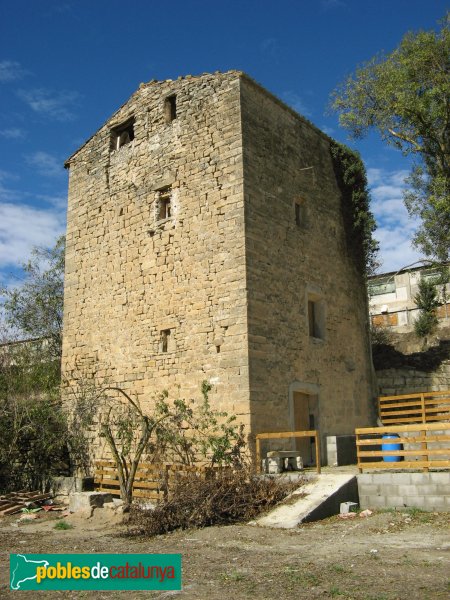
391 447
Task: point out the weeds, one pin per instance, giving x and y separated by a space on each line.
63 525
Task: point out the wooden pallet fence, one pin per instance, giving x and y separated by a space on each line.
426 407
424 447
312 433
152 481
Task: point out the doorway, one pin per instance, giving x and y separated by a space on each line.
306 416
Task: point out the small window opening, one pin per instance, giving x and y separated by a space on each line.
121 212
170 108
218 349
122 135
165 203
316 318
165 339
299 213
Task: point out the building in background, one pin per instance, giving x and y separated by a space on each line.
391 298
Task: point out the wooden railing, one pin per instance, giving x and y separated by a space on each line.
427 407
286 435
152 481
423 446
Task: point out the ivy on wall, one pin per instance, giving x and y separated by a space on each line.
359 222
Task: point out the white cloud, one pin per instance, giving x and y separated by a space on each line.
13 133
328 130
56 105
10 70
395 227
46 164
22 227
293 100
269 47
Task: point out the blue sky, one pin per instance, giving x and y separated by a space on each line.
67 65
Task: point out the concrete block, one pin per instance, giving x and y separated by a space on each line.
440 478
428 490
382 478
434 502
415 501
274 465
364 501
420 478
347 507
407 490
63 486
391 490
376 502
398 478
85 501
395 501
365 478
369 489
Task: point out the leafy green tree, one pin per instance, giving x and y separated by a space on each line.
35 308
33 424
405 95
427 301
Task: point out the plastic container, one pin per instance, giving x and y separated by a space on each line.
391 447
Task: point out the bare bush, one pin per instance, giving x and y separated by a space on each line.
221 497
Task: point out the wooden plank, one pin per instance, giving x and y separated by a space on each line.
318 459
401 428
400 421
151 485
419 464
391 405
113 492
415 395
418 452
12 510
403 440
285 434
258 455
396 413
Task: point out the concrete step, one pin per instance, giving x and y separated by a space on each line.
319 498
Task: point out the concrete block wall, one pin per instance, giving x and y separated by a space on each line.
427 491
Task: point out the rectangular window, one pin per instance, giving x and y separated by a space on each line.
164 207
381 285
165 340
300 213
122 134
170 108
316 318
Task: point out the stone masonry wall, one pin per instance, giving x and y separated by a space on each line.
393 382
287 161
131 276
219 288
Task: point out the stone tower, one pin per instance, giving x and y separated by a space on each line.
205 241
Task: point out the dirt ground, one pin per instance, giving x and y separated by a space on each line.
387 556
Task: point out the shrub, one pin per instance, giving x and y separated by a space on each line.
225 496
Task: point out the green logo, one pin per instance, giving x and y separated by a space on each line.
95 571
